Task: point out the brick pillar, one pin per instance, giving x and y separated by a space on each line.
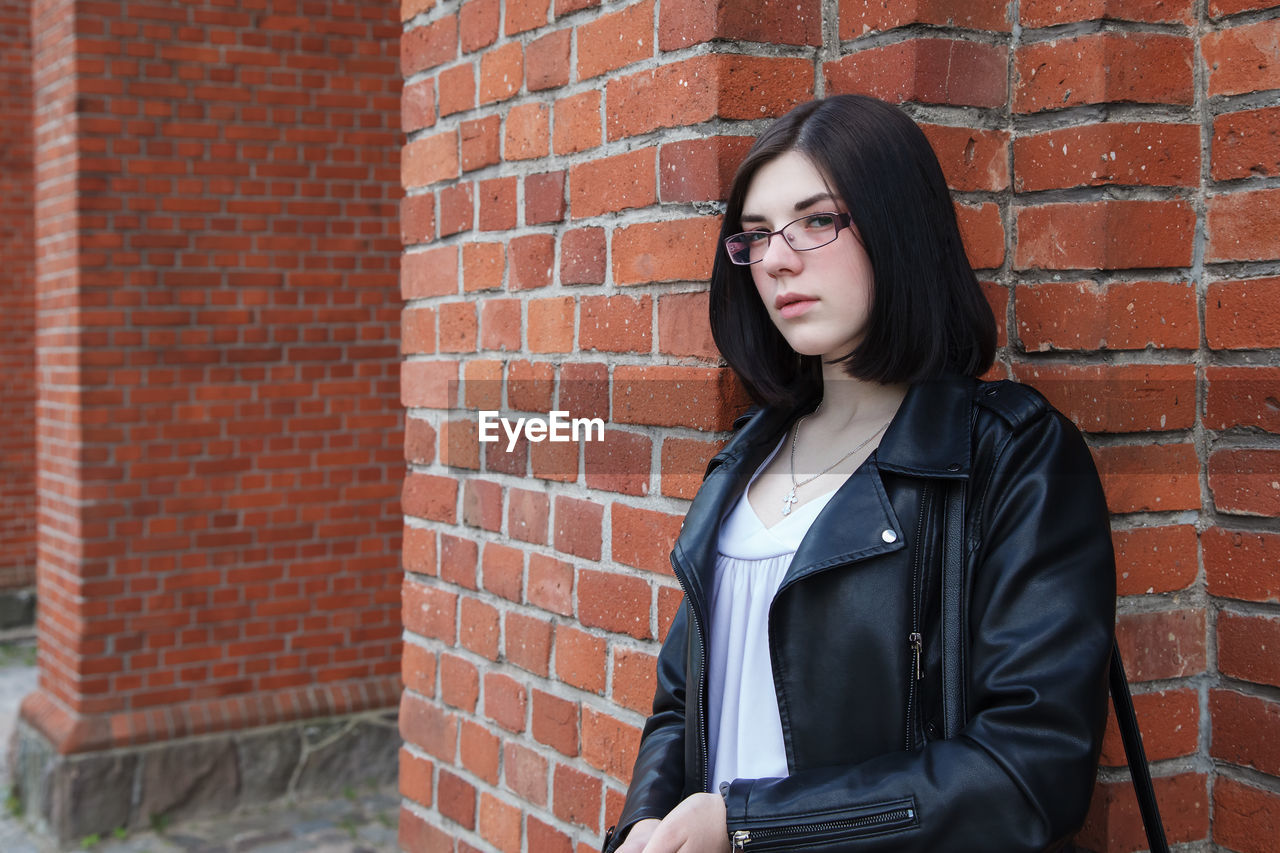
1115 172
219 421
17 320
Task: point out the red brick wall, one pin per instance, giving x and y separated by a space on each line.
17 304
1116 173
219 417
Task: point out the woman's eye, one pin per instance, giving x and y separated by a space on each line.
753 237
820 220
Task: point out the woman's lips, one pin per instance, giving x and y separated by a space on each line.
795 306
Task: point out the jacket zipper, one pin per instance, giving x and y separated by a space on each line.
743 837
703 749
915 639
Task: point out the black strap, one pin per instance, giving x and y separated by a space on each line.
953 713
953 681
1136 755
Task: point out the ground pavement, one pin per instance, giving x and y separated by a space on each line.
364 822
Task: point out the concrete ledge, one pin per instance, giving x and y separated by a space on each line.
69 797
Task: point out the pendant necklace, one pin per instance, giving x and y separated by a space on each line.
790 497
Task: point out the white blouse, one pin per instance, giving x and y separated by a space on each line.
744 728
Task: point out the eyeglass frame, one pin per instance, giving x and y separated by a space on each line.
843 220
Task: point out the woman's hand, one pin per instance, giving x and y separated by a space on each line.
697 825
639 836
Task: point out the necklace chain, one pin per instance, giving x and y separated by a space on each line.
790 498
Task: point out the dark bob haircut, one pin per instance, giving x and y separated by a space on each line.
928 315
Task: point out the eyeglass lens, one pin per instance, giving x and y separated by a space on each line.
807 232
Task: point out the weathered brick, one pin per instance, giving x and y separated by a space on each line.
580 659
544 198
576 797
478 24
1246 645
609 745
615 602
615 39
1120 398
1082 315
682 23
499 821
971 158
1242 397
550 584
531 260
1114 823
547 61
525 774
527 643
1105 235
1243 314
1246 730
457 89
926 70
576 120
1244 226
1246 482
555 722
582 256
528 132
578 524
525 15
1242 564
1155 559
1163 644
1147 68
550 324
671 250
429 159
703 87
1170 725
456 799
613 184
858 17
1246 144
700 169
505 701
1243 58
1244 817
667 395
1048 13
1142 478
1133 153
501 72
498 210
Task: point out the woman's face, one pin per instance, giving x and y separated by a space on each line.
818 299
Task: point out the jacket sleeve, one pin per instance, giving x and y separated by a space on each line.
657 782
1018 776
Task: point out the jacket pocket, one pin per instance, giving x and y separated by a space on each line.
831 828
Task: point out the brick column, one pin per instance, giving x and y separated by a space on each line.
218 408
17 320
1115 173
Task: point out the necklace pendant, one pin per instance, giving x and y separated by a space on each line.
788 500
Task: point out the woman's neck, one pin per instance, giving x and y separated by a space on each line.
848 402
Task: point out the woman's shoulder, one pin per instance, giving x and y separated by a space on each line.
1017 405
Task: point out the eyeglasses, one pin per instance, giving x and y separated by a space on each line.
804 234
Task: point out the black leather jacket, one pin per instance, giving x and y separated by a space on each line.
869 768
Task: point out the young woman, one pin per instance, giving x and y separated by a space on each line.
805 699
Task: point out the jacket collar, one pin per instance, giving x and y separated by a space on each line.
928 437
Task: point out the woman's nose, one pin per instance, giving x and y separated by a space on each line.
779 256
